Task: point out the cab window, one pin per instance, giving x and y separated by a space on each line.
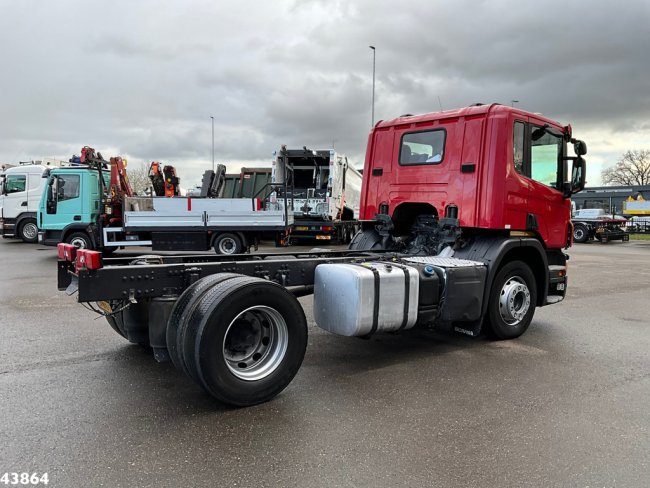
518 147
15 183
424 147
537 154
67 187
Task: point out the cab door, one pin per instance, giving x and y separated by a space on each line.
377 173
63 201
91 208
546 168
35 184
15 195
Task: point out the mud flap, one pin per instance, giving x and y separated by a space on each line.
471 329
73 287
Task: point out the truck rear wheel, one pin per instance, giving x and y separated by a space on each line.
512 301
131 322
28 231
580 233
366 240
116 324
228 243
181 311
245 340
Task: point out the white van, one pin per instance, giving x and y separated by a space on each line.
20 193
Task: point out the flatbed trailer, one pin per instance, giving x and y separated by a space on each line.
603 230
229 225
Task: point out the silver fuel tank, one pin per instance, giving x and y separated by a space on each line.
360 299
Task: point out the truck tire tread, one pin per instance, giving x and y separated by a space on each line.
497 328
206 333
182 310
21 230
366 240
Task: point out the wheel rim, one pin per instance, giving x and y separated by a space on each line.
227 246
578 234
255 343
514 300
30 231
79 242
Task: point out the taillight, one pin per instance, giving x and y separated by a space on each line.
87 259
67 252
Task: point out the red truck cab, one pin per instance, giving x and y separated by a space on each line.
497 168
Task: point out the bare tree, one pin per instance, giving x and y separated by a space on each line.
632 169
139 178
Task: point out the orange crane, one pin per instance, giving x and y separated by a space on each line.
118 186
164 180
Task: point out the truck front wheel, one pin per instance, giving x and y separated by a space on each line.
512 301
28 231
80 240
245 340
580 233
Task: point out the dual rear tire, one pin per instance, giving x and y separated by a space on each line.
242 339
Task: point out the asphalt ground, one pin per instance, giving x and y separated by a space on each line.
567 404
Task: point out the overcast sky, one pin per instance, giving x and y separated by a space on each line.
142 78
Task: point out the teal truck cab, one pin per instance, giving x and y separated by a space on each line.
70 206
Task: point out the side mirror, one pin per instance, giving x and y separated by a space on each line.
538 133
578 174
580 148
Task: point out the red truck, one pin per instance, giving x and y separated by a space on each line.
465 215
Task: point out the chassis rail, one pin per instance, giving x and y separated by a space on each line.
125 278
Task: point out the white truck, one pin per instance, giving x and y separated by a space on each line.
20 193
323 192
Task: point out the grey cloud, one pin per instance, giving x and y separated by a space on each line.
143 78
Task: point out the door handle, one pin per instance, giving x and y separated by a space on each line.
377 171
24 204
467 167
77 217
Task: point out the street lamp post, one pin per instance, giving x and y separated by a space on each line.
212 142
374 53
